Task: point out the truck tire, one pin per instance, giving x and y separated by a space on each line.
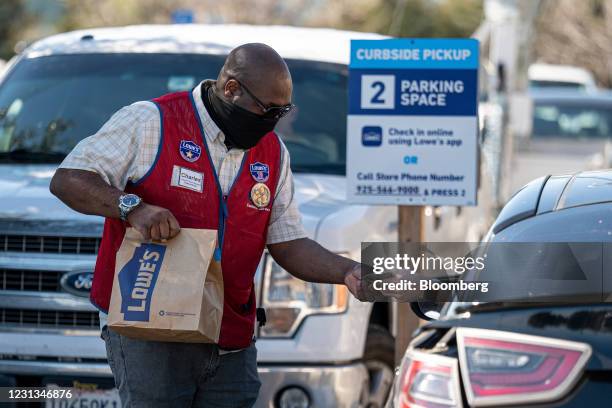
379 359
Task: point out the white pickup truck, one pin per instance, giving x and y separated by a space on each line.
320 347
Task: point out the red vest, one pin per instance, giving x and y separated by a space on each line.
241 224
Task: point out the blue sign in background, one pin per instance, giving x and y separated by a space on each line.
457 104
182 16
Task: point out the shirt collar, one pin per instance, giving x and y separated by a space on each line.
211 130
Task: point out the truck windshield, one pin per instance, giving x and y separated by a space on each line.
48 104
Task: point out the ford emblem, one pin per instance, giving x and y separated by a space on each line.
77 283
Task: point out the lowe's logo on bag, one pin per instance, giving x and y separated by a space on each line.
137 281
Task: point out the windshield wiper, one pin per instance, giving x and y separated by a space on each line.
32 156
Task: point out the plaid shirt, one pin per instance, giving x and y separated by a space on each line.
125 149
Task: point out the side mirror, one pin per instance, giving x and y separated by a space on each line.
426 310
430 309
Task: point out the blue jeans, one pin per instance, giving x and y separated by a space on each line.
155 374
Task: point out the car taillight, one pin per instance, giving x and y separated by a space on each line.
428 381
501 368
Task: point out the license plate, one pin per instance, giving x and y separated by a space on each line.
100 398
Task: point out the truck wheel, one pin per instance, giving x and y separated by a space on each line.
379 359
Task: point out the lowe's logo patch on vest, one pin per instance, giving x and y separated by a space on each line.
189 150
137 281
259 171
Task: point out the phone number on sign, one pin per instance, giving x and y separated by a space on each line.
413 191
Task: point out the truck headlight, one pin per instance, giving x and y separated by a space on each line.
288 300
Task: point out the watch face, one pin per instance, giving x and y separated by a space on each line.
129 200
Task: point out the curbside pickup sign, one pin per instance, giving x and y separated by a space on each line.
412 129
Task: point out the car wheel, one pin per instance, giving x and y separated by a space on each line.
379 359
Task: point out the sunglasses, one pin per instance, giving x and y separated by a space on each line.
270 112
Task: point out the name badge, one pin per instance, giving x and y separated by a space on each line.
186 178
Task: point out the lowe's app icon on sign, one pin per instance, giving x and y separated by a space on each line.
137 281
371 136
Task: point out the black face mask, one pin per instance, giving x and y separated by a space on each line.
242 128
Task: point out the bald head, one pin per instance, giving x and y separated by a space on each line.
262 70
254 62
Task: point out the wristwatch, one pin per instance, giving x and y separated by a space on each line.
127 204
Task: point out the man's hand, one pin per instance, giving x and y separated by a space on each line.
352 280
154 222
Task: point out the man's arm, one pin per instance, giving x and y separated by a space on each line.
307 260
86 192
300 256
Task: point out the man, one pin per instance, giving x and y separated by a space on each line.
201 159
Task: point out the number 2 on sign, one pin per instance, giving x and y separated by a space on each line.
381 89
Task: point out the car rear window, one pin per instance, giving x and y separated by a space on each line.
588 188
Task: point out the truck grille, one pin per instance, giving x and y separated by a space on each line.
50 318
28 280
49 244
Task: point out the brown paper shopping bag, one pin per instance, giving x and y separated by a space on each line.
171 291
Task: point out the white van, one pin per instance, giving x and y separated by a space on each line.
551 76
